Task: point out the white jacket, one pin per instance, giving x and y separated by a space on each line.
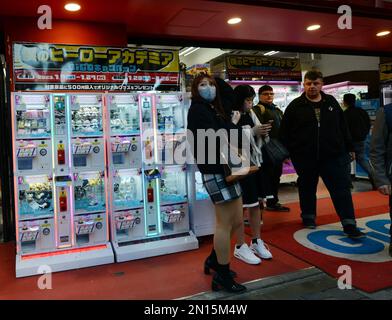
256 142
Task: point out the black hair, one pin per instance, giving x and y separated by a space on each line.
313 75
265 87
349 99
217 103
242 92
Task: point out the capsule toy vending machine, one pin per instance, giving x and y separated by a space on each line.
33 180
125 173
90 225
44 188
150 211
174 193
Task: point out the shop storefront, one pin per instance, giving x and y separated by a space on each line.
87 181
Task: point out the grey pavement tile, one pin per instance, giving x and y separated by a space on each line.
335 294
307 284
380 295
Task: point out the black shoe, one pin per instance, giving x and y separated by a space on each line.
353 232
277 207
390 249
211 264
309 223
221 282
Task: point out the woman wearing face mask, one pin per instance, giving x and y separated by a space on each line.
206 113
251 185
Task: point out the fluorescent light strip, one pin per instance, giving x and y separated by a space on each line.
186 50
56 223
191 51
67 106
270 53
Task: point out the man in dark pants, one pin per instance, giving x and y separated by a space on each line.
267 112
381 157
314 131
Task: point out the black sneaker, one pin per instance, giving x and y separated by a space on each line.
277 207
309 223
353 232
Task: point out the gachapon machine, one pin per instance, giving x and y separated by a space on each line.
33 177
148 199
125 169
44 186
202 212
91 218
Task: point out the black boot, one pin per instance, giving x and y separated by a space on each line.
223 280
212 263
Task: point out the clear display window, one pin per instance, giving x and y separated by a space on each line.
127 190
173 185
89 192
170 113
86 115
35 197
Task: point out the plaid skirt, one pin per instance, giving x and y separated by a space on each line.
218 189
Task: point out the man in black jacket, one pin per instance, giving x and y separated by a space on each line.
267 112
314 131
358 123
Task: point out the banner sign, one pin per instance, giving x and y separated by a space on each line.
39 66
386 71
254 68
198 68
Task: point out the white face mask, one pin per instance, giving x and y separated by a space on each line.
207 91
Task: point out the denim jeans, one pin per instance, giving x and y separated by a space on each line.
359 149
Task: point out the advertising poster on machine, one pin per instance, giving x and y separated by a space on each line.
53 67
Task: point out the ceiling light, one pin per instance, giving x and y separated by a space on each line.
72 7
185 51
383 33
234 20
270 53
313 27
190 52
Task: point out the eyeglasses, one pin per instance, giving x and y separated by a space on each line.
268 94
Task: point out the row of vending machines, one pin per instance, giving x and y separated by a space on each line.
97 179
